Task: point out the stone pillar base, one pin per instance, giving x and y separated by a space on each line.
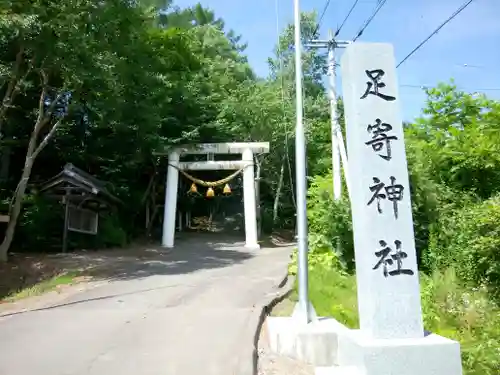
430 355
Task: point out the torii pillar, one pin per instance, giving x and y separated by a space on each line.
249 200
170 206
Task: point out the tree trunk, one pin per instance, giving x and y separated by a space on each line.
278 193
146 226
33 151
17 202
11 87
151 222
150 184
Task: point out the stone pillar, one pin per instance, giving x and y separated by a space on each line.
249 201
170 208
386 260
391 338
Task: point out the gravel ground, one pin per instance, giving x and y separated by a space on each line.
273 364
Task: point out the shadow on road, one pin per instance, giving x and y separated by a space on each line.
192 252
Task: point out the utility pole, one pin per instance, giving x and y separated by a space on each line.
332 75
304 310
338 146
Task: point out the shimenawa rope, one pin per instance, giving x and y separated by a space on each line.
211 183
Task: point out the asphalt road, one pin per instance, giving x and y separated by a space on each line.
190 311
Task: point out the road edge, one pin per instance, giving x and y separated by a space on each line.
285 287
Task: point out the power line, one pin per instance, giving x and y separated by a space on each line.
461 88
346 17
380 4
470 66
456 13
327 4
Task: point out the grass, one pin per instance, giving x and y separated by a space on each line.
450 308
332 293
468 315
42 287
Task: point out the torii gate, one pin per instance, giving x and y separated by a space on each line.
247 150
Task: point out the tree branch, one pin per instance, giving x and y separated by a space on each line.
46 140
31 64
146 193
51 108
41 101
7 99
45 116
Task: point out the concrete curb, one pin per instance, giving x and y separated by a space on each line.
285 287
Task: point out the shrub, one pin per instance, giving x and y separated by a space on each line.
40 226
468 240
111 233
454 310
317 257
330 221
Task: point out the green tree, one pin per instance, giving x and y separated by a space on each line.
75 87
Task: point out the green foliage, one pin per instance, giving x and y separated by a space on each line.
329 225
459 139
469 241
453 160
111 232
464 314
41 225
137 83
332 293
330 221
321 257
313 65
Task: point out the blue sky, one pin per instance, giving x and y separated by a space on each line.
472 38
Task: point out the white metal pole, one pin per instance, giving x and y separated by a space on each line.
332 69
303 310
